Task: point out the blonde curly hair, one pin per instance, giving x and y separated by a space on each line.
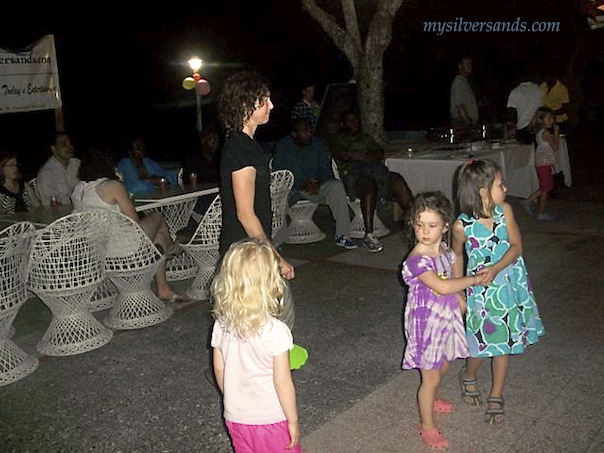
248 289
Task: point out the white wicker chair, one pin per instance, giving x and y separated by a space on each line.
15 246
203 247
302 229
281 183
66 267
104 297
177 215
131 262
357 226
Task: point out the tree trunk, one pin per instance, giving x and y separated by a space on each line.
366 60
370 92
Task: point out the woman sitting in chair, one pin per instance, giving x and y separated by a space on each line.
15 195
100 188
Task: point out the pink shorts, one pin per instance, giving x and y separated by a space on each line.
261 438
546 179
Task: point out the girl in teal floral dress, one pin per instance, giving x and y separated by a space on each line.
502 317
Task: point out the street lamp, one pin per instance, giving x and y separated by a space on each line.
202 87
195 63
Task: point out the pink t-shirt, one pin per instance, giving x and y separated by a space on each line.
250 397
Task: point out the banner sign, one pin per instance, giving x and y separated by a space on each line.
29 80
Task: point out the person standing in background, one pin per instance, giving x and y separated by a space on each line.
555 96
307 108
463 105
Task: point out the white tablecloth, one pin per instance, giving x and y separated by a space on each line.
435 170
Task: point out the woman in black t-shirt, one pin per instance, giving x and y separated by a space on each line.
244 105
15 195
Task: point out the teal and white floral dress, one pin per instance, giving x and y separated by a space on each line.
502 318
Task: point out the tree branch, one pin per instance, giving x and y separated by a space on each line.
380 28
352 23
340 37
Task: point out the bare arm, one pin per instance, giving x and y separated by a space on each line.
282 379
459 238
552 139
461 109
449 286
345 155
114 192
35 201
218 368
244 183
244 191
513 252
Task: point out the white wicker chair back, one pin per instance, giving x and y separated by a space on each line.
281 183
15 247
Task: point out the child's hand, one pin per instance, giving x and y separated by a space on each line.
294 434
463 304
485 276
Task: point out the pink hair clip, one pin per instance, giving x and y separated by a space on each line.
470 161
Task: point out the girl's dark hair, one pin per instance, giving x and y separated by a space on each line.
98 161
237 100
473 176
435 201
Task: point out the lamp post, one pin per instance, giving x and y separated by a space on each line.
202 87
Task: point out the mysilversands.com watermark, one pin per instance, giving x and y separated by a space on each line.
459 25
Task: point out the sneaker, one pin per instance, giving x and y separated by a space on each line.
545 216
346 242
528 208
372 244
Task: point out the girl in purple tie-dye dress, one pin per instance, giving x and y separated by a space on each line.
433 314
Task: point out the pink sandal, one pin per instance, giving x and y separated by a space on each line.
433 439
442 406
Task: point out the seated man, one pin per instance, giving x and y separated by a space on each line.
205 163
305 157
59 175
139 173
359 160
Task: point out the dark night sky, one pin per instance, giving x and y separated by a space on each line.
118 64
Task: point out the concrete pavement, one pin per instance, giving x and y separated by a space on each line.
145 390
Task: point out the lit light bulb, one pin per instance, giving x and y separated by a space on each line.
195 63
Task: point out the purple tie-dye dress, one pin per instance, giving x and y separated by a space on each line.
433 322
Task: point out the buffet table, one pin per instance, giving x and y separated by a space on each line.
428 168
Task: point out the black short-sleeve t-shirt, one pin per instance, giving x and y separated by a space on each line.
241 151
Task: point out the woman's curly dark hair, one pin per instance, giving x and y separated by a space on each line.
98 161
238 98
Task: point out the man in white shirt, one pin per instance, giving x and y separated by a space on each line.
59 175
523 102
463 107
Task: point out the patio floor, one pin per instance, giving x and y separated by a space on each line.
145 390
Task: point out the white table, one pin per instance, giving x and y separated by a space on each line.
432 169
175 204
40 217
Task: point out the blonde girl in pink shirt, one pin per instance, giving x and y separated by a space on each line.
251 351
